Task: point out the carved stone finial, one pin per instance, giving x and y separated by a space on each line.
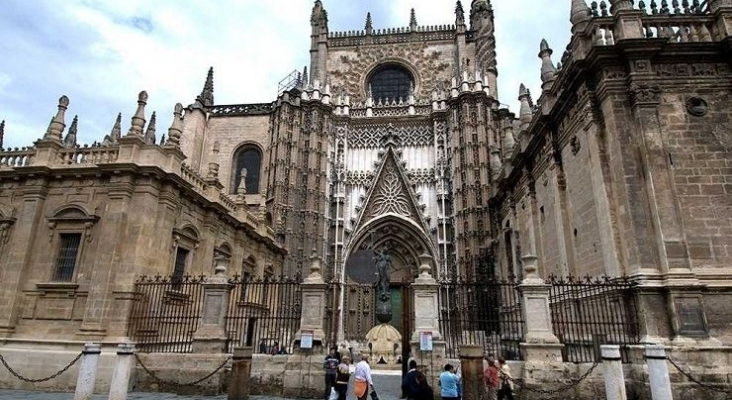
531 271
619 5
413 21
2 133
138 120
176 128
150 132
580 14
548 70
459 14
369 24
70 139
57 125
116 132
206 98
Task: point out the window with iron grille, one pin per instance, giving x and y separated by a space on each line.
181 255
67 256
391 82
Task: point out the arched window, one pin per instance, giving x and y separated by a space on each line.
247 162
390 81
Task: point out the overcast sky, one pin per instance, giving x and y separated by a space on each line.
101 54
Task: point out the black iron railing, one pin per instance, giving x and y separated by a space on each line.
589 312
165 313
483 311
262 313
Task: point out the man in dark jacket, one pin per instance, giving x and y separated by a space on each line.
410 386
331 369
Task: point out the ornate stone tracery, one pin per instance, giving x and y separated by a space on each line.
391 197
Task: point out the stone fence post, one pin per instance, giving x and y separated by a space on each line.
87 371
304 375
471 365
658 372
612 367
427 320
241 370
210 337
122 372
540 344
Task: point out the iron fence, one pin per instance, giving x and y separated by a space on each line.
589 312
262 313
484 311
165 313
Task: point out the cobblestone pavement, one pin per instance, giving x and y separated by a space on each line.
387 386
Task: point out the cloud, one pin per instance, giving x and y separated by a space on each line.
102 54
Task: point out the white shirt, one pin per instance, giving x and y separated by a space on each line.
363 372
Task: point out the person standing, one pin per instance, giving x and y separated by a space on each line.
409 383
331 369
424 391
449 383
363 381
343 375
506 390
490 378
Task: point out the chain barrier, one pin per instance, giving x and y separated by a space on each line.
194 383
48 378
694 380
573 383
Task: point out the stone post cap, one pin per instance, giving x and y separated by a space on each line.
610 352
531 275
92 348
655 351
243 352
125 349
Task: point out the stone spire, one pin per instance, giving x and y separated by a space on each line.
413 21
526 113
57 125
138 120
305 77
150 132
70 139
206 98
369 24
579 16
548 70
483 24
176 128
459 14
117 129
2 133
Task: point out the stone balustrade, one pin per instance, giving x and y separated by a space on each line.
192 177
17 157
87 155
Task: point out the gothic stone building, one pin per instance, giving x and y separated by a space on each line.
395 139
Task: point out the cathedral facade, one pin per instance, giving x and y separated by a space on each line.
395 140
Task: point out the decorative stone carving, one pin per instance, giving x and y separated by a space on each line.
369 136
391 197
644 94
351 77
575 145
696 106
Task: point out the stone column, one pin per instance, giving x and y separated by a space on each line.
87 371
241 369
210 337
658 372
612 367
304 375
427 319
122 372
471 365
540 344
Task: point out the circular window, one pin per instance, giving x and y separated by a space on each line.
390 82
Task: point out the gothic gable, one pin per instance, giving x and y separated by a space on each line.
391 193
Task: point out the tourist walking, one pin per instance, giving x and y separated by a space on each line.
506 390
490 379
330 364
449 383
362 376
343 375
409 383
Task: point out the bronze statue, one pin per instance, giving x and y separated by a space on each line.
382 259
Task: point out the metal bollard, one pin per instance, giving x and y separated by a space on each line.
612 366
241 370
658 372
122 371
87 371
